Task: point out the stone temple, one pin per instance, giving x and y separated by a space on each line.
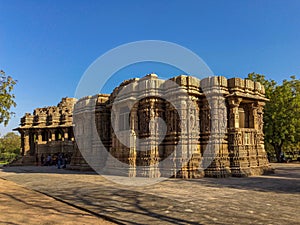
214 123
49 130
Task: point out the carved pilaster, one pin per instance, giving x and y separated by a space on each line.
260 113
217 146
133 141
234 112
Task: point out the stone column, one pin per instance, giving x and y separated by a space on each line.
53 135
169 168
26 142
259 139
253 148
239 155
153 142
190 129
234 112
32 139
65 135
217 147
39 137
133 147
259 121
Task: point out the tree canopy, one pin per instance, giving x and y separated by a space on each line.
9 147
7 98
282 112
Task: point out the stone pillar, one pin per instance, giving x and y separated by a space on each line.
53 135
170 166
259 121
183 131
133 147
216 150
239 156
154 139
190 129
39 137
261 153
32 140
234 112
26 142
66 134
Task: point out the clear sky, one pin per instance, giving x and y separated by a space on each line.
47 45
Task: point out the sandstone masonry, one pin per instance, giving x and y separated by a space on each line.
239 150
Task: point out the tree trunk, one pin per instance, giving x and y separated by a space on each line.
277 149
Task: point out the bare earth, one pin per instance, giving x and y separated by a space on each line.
19 205
46 195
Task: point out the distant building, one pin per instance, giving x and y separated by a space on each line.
48 130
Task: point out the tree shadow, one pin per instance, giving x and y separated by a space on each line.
5 222
128 207
44 169
285 180
124 206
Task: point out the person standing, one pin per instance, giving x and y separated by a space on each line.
37 159
59 160
65 160
42 159
48 161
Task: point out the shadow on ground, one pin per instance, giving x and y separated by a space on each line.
174 201
285 180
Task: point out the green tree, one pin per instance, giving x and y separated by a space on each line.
9 146
7 98
282 112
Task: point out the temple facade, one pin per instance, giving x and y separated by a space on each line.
48 130
224 128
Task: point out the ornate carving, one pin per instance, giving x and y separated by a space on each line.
239 153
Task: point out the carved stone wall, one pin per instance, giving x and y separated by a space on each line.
225 124
48 130
213 127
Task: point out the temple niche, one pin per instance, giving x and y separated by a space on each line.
48 130
220 119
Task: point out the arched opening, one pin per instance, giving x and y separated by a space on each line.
44 136
58 135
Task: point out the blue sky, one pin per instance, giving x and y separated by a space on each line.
47 45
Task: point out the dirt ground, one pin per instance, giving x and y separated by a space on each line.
19 205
